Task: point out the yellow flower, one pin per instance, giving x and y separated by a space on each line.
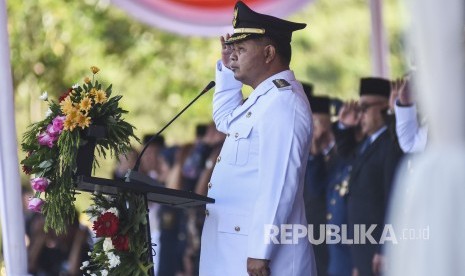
87 80
101 96
69 124
82 120
73 113
94 69
66 105
85 104
93 92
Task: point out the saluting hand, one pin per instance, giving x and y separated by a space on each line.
226 50
349 115
405 94
395 84
258 267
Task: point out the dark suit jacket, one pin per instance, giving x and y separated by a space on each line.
369 188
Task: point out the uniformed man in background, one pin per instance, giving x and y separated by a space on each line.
258 178
316 176
374 162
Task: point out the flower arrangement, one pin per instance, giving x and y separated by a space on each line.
120 223
52 145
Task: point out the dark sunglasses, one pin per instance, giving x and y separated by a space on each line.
365 106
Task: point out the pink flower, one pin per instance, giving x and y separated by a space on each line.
40 184
46 139
35 204
58 122
52 131
56 127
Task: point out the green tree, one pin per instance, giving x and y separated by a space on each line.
53 44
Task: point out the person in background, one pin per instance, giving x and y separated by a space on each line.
374 162
124 163
214 140
149 161
411 134
172 223
50 254
316 175
150 166
195 160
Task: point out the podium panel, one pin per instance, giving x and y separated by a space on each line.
154 193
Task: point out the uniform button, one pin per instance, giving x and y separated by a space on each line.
218 159
209 185
248 114
237 229
207 213
333 201
329 216
236 135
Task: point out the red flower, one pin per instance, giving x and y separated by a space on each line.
27 169
106 225
62 97
121 242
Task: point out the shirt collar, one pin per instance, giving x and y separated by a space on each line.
286 74
375 135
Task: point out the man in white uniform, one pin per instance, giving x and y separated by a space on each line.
258 178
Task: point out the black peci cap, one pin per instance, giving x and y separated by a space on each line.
375 86
318 104
308 89
249 24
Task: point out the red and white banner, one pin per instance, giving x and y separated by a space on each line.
200 17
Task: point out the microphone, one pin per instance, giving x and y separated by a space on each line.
208 87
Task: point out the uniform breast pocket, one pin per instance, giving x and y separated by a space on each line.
234 224
240 145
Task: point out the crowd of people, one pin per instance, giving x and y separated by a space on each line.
357 148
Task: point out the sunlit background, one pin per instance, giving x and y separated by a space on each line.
53 44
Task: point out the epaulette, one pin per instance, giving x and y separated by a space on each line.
281 84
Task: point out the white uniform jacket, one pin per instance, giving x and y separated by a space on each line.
258 179
412 137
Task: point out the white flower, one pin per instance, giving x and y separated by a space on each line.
89 253
113 260
107 245
104 272
84 265
44 96
114 211
93 274
76 85
88 271
48 112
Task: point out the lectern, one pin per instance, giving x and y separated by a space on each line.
135 183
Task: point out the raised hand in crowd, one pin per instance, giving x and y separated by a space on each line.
395 85
349 115
405 93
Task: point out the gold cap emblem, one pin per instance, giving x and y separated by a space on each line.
234 18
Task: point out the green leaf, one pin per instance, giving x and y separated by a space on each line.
46 164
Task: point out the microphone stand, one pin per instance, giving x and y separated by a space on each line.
134 175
